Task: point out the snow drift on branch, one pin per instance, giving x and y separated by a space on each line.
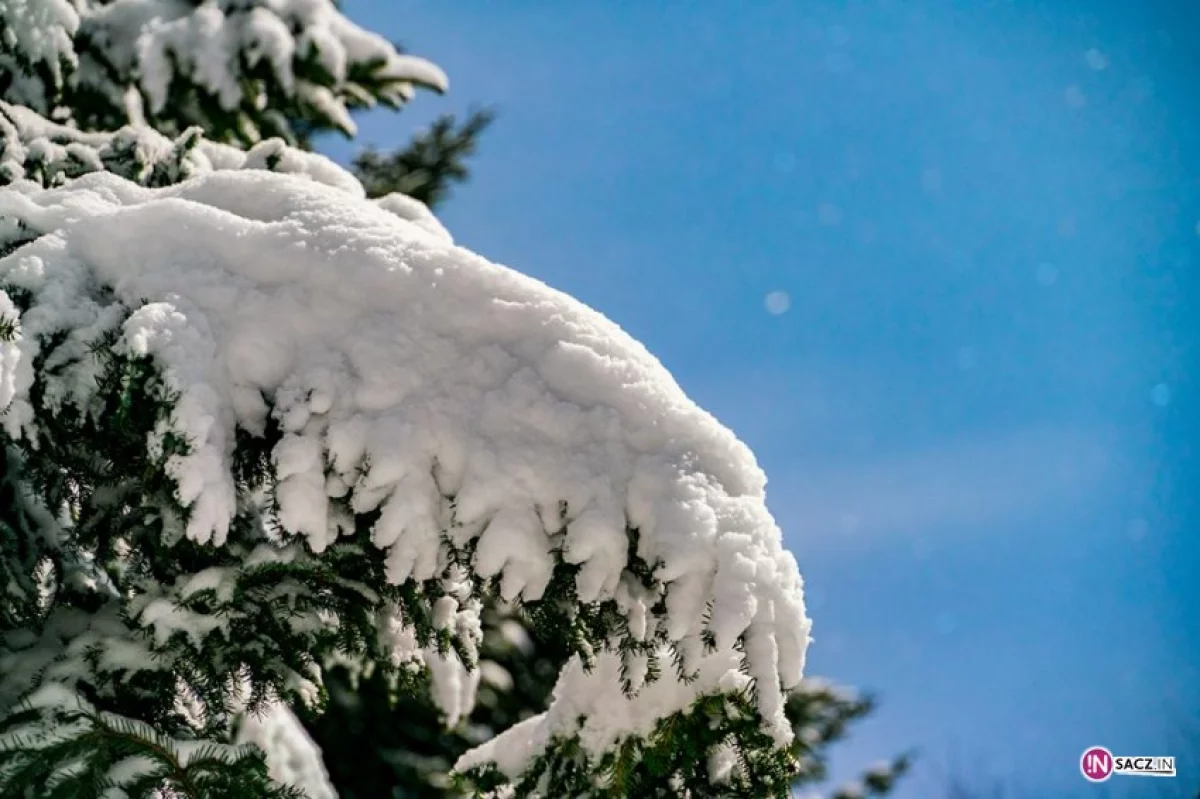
244 70
469 405
34 148
213 43
36 48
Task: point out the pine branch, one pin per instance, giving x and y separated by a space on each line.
183 599
430 165
58 744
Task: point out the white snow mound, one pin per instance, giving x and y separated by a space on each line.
406 371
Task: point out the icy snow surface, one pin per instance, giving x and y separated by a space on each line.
406 371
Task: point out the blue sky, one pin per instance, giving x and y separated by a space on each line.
976 411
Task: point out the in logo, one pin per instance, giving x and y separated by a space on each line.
1098 764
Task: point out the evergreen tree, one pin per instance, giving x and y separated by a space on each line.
426 169
198 521
102 565
241 70
380 742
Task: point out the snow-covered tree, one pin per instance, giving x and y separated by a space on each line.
253 421
378 741
106 596
242 70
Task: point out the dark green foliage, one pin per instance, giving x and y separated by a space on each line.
383 743
430 165
821 715
37 761
673 761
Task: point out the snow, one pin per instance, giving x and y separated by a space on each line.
129 769
67 649
516 635
238 55
218 580
39 33
166 618
721 763
293 758
454 685
211 44
495 675
27 139
594 706
460 398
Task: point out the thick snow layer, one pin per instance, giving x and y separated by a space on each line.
406 371
293 758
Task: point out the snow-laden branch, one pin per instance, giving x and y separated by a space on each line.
243 69
474 414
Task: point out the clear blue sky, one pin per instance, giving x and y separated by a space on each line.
977 412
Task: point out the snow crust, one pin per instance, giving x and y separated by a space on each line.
463 400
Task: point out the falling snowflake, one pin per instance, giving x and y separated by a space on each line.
778 302
1096 59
